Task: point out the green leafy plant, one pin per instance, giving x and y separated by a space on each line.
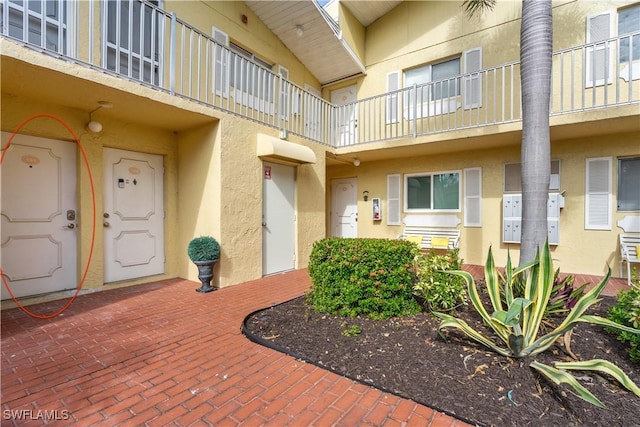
368 277
439 290
203 248
626 312
351 331
517 321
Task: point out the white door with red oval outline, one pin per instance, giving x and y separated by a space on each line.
133 218
39 219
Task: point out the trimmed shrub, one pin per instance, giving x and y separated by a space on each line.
437 289
368 277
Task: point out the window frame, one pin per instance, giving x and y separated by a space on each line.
243 65
636 44
65 34
427 98
636 203
135 53
432 209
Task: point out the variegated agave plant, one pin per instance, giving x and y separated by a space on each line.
517 321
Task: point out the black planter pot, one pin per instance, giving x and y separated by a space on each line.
205 274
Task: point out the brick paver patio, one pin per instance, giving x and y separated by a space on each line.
162 354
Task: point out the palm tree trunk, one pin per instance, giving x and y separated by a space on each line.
535 75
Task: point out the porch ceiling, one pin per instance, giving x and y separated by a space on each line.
319 46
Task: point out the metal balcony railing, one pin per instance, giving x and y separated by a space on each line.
139 41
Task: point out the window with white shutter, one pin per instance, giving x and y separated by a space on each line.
472 85
598 194
221 62
393 84
473 197
393 199
598 59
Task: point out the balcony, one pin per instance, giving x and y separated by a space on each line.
142 43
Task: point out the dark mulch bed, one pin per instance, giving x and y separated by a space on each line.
406 356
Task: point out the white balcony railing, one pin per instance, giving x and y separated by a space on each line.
139 41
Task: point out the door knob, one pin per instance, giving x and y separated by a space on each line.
70 226
106 224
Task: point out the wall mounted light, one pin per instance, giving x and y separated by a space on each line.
365 195
94 125
299 30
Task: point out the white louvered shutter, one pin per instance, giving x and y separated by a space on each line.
599 60
393 199
472 87
393 84
221 62
598 194
473 197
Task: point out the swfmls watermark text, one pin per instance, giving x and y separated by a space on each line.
36 414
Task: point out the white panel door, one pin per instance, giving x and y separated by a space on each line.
278 218
344 208
39 227
133 219
345 116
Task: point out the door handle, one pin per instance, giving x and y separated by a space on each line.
70 226
105 224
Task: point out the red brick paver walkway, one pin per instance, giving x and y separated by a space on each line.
162 354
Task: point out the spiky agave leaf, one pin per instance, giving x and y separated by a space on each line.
575 315
474 297
558 377
453 322
603 366
492 281
538 291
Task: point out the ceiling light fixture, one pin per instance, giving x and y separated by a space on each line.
94 125
299 30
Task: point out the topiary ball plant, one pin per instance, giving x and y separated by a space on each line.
203 248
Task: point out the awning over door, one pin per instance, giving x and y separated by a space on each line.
272 148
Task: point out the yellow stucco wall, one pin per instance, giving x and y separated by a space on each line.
116 134
221 194
422 32
580 251
352 31
253 36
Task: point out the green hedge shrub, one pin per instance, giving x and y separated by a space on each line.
368 277
627 312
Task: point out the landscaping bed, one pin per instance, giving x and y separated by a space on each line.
407 356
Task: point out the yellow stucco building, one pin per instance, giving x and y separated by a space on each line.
265 124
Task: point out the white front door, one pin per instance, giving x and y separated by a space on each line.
344 207
133 219
39 226
345 115
278 218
